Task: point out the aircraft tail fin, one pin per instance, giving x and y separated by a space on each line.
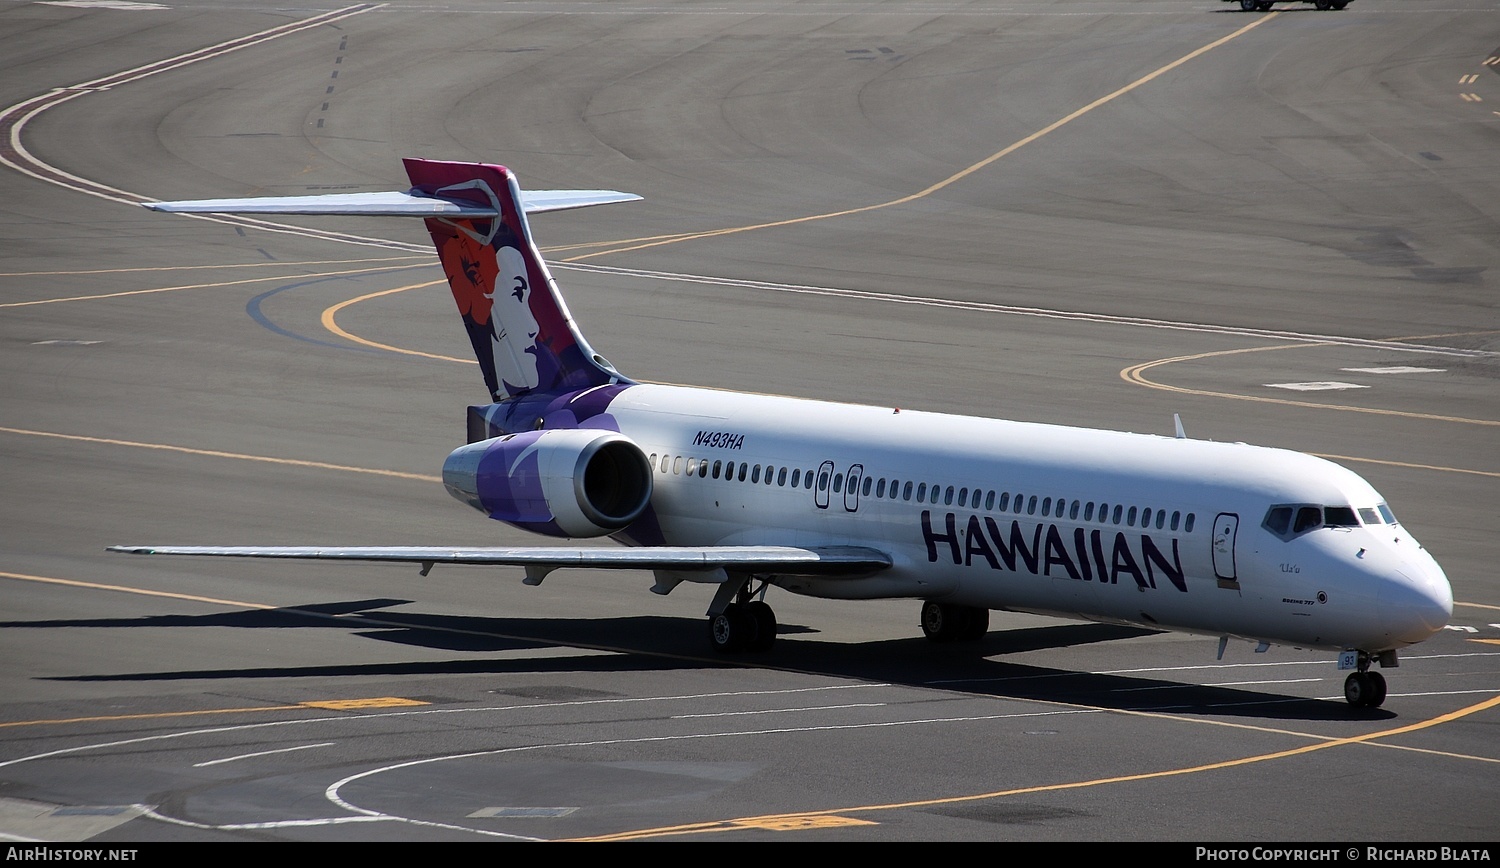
518 324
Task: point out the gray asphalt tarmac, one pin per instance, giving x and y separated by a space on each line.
1094 213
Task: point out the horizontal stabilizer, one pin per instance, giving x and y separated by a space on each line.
784 560
391 204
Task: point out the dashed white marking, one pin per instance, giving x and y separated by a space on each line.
1325 386
511 813
1395 369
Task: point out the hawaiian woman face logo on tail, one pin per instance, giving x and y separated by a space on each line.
491 285
515 328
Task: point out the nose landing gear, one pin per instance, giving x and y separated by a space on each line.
1364 688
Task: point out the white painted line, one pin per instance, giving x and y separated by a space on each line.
990 307
106 4
779 710
1395 369
1247 683
230 759
1185 686
1327 386
512 813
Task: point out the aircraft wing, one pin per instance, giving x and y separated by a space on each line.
391 204
538 561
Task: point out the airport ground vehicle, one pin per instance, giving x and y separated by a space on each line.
1265 5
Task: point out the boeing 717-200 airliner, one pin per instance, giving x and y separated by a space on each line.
744 491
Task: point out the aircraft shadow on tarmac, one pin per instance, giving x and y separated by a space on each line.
657 643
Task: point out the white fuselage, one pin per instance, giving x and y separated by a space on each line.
1131 528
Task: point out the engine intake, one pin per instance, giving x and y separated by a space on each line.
564 482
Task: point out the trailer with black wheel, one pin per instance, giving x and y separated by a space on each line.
1265 5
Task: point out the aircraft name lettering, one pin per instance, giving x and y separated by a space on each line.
1047 550
720 440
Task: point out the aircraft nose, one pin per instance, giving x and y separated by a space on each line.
1419 603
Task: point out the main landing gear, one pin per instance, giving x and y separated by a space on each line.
947 622
742 624
1364 688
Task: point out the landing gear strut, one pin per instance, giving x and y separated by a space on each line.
744 624
947 622
1363 688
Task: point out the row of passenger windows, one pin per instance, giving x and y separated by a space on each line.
1289 520
894 489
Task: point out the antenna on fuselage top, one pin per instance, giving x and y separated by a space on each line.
1177 422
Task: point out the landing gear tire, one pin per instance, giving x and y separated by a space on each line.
765 625
1364 689
942 622
979 624
1323 5
1338 5
1377 687
731 630
1248 5
743 627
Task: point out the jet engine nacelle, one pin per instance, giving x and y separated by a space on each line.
563 482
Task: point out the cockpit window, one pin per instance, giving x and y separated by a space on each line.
1385 512
1289 520
1308 517
1339 516
1368 515
1278 520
